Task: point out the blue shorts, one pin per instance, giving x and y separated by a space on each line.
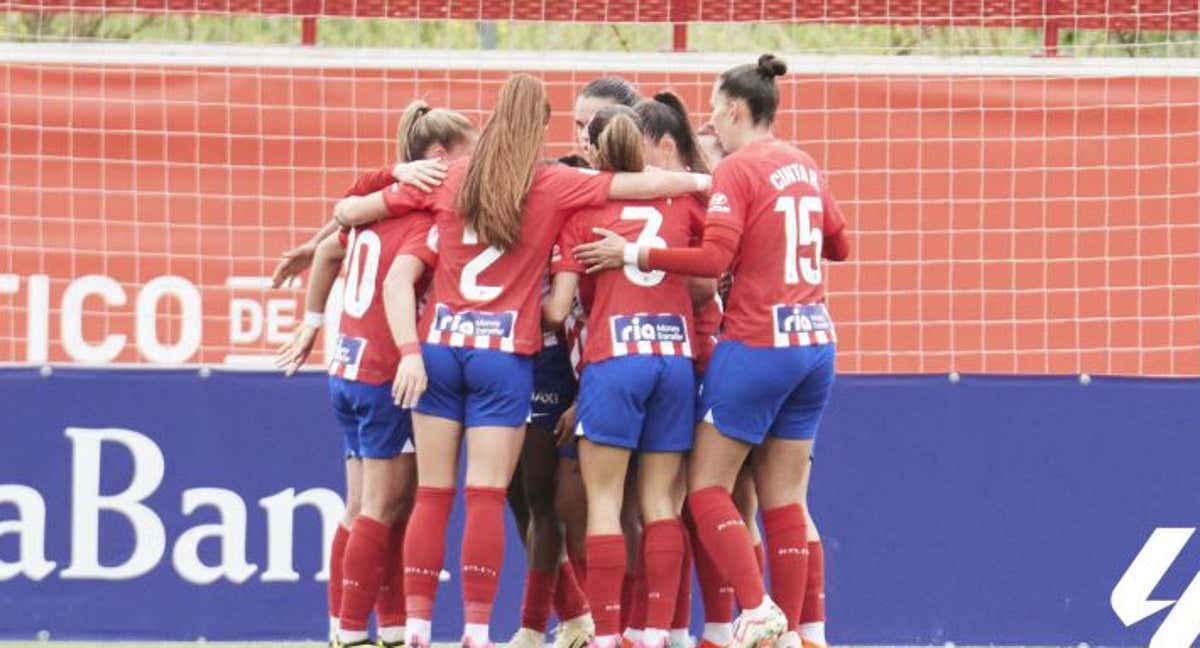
750 392
476 387
641 402
373 426
554 386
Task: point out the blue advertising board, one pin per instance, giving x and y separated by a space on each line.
171 505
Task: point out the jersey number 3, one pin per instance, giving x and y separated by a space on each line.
647 238
799 233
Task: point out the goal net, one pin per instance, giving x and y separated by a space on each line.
1022 179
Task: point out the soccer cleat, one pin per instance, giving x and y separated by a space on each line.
467 642
415 641
527 638
354 644
789 639
390 644
641 643
760 627
575 633
705 643
689 642
605 642
808 643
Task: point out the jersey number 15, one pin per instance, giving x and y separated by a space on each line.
799 233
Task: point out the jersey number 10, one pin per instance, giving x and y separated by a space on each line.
363 268
799 233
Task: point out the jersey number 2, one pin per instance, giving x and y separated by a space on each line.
468 283
798 232
363 268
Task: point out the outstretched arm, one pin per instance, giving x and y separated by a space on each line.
657 183
292 355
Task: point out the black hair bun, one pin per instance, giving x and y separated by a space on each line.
771 66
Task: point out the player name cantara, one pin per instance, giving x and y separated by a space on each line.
793 173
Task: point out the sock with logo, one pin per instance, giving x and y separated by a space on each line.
662 549
337 556
812 617
606 568
725 537
424 550
482 552
787 538
389 605
715 591
366 552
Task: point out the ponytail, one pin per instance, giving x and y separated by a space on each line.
423 126
492 197
665 114
615 135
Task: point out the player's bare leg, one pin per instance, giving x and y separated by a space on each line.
659 499
492 454
712 471
780 470
604 475
438 441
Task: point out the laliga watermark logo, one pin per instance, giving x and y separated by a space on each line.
1131 597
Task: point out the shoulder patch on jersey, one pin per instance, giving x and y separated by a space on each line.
719 202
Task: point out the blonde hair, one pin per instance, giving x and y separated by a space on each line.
422 126
615 135
492 197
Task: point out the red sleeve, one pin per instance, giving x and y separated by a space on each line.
369 183
573 188
402 199
568 238
837 244
723 226
696 223
420 241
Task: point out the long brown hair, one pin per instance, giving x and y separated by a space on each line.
664 115
501 171
422 126
617 139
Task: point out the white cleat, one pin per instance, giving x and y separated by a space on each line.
760 627
575 633
789 639
527 638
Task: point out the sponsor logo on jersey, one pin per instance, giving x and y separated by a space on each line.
648 328
719 203
349 350
474 323
545 398
801 318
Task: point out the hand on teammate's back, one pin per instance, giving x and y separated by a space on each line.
422 174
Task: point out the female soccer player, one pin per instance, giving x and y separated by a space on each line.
497 217
544 488
637 387
386 259
771 218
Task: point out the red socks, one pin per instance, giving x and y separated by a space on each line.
683 596
628 589
389 606
337 557
569 598
482 551
663 557
715 591
638 593
425 548
788 540
761 557
366 553
539 592
727 540
814 593
606 568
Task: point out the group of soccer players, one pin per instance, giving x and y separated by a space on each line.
482 280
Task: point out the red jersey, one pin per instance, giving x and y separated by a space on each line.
366 351
633 311
483 297
773 196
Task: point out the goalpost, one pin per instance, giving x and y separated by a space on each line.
1010 213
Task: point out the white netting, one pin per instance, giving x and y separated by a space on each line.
1011 213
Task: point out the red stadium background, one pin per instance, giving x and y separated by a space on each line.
1043 221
